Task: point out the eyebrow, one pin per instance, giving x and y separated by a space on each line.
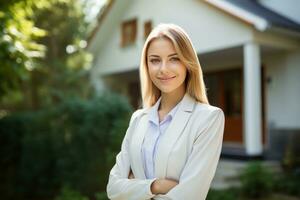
173 54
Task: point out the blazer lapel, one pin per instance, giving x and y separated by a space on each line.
171 135
138 138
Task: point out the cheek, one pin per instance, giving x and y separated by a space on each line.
182 71
151 72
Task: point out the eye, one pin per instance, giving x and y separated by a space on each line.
174 59
154 60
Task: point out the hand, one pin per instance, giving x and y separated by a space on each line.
162 186
130 176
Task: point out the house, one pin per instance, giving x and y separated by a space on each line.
249 51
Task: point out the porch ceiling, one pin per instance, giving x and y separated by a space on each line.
231 57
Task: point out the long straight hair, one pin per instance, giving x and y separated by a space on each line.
194 82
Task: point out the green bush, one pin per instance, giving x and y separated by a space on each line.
69 194
72 144
256 180
101 196
288 183
225 194
11 132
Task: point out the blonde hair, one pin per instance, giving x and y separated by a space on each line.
194 82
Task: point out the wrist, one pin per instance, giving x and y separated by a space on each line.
155 187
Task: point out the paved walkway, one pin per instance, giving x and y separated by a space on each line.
228 170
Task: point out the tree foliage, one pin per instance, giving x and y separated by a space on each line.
42 52
18 46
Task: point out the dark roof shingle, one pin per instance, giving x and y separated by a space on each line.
271 16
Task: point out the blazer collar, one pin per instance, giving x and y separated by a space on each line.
187 104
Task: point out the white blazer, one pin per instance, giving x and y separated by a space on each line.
188 152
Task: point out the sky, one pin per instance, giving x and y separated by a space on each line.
93 8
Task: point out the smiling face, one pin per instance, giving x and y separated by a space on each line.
166 70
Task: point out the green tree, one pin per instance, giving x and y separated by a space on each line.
18 47
42 53
66 63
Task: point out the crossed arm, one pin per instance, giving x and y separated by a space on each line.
195 178
159 186
122 185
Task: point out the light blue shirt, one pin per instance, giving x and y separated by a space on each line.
151 141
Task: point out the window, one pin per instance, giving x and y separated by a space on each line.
147 28
233 93
129 32
225 91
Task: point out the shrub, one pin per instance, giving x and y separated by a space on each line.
69 194
225 194
256 180
288 183
101 196
72 144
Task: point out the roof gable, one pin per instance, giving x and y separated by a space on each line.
256 14
272 17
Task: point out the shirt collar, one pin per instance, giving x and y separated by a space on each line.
153 114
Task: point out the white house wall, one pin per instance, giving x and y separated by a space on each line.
103 41
108 26
283 92
209 29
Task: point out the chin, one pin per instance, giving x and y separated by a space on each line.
165 90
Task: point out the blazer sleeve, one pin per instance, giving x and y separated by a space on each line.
196 177
119 187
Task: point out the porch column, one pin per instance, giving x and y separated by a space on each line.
252 100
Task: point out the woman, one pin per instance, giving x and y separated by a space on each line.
172 145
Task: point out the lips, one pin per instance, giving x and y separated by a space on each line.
166 78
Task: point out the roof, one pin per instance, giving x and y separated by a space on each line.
100 17
273 18
251 11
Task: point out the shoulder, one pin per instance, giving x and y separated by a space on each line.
208 112
202 107
136 114
205 117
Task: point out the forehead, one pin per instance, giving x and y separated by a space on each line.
161 46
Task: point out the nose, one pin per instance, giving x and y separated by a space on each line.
163 66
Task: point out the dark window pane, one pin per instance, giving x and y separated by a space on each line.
212 86
232 87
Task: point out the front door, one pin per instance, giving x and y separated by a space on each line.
225 90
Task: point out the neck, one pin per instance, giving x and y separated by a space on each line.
170 100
